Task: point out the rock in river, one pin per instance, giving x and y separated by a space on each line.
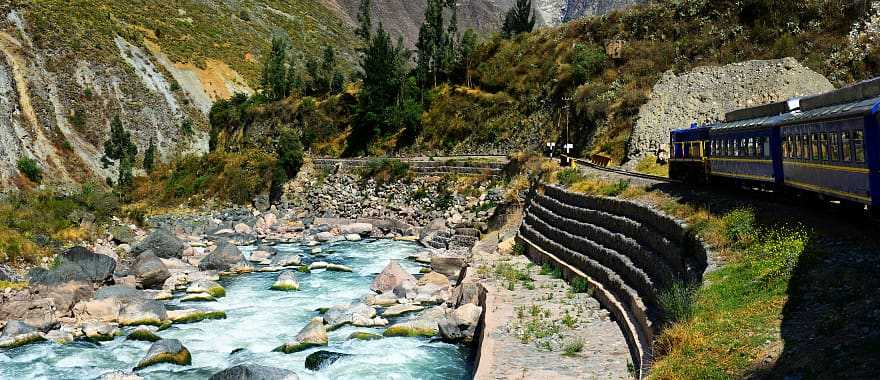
313 335
76 264
391 277
223 258
165 351
286 281
150 270
321 359
254 372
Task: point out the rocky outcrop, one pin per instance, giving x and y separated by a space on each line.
705 94
575 9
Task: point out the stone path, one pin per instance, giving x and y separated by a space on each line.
529 328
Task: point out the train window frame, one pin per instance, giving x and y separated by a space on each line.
751 147
823 146
765 147
859 146
846 143
814 147
797 146
834 146
786 147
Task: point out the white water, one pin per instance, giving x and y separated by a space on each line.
260 320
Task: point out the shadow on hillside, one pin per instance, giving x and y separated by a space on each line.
830 323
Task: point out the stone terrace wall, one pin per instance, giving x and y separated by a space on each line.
627 252
426 166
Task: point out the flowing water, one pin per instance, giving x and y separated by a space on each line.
260 320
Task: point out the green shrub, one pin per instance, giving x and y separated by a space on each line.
290 152
614 189
31 169
740 227
566 177
572 347
580 285
384 170
677 302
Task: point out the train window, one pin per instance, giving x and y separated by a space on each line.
751 147
823 147
846 143
859 146
765 146
834 147
786 147
801 146
814 147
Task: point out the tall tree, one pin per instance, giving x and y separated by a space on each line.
150 157
120 148
519 19
276 81
365 22
466 51
450 53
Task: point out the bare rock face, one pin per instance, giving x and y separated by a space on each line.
575 9
705 94
391 277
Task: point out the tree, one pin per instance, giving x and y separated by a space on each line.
365 23
431 44
276 80
150 157
519 19
290 152
450 52
466 51
383 72
120 148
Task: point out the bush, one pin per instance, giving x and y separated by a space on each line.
384 170
290 152
31 169
677 302
739 227
580 285
572 347
566 177
614 189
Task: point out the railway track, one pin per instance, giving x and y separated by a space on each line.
626 173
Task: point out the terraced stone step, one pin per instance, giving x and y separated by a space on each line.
608 258
668 251
650 262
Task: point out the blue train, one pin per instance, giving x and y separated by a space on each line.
827 145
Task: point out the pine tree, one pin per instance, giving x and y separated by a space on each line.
519 19
365 23
150 157
120 148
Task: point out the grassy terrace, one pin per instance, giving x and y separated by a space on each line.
779 304
189 31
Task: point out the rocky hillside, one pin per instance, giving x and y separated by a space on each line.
706 93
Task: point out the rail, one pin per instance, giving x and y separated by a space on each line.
627 173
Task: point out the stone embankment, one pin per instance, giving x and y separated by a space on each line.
626 252
492 165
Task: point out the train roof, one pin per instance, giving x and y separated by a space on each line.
837 111
764 110
858 92
748 124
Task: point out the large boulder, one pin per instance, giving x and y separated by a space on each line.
39 313
65 295
357 229
76 264
417 327
107 303
461 326
313 335
225 257
163 243
254 372
150 271
165 351
16 327
448 265
340 315
142 312
119 375
100 331
391 277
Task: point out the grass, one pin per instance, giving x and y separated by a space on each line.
572 347
384 170
506 271
650 165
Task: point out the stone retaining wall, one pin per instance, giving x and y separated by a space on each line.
627 252
423 166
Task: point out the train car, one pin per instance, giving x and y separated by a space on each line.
687 158
746 152
832 146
